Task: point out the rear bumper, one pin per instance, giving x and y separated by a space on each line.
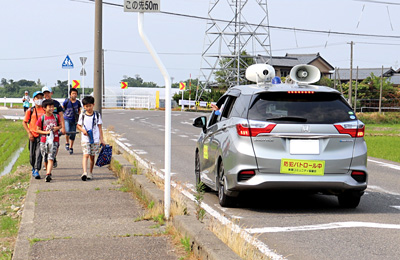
331 183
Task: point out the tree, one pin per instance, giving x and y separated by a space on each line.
227 75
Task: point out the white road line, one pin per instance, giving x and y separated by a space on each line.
379 189
140 151
122 139
183 136
351 224
128 144
396 207
225 221
194 140
392 166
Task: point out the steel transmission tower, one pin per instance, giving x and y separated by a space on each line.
237 31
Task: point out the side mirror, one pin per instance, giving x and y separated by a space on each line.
200 122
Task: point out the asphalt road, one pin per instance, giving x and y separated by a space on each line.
292 226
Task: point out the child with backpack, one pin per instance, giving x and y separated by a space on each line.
72 107
29 123
89 123
48 126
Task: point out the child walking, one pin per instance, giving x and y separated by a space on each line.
48 126
29 123
89 123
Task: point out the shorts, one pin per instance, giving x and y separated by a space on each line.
51 155
91 149
70 126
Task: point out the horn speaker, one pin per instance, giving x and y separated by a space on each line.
305 74
260 73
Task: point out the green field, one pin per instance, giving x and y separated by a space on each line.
13 186
383 141
12 137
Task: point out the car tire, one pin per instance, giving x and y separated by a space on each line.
224 199
197 173
350 199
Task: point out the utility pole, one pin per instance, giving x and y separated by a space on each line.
380 92
355 94
351 71
98 46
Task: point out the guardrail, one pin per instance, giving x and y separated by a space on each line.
12 101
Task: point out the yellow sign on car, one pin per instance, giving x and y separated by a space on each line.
205 152
302 167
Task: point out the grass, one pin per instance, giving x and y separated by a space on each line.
14 185
382 141
12 137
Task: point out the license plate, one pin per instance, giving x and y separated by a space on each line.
304 146
302 167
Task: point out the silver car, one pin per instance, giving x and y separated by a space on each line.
282 136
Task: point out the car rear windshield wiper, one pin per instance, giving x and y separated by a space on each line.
288 118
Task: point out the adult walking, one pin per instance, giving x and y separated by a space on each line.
72 107
25 101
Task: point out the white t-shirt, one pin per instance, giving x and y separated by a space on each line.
87 125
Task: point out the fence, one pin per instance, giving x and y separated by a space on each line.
128 101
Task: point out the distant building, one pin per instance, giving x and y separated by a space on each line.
284 64
343 74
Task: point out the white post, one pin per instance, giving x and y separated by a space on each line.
182 100
68 81
83 85
167 80
123 98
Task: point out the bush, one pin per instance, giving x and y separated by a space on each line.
380 118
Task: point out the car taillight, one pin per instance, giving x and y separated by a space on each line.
254 129
359 176
300 92
351 129
246 175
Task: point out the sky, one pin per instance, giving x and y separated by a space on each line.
37 35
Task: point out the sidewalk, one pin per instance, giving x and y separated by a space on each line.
73 219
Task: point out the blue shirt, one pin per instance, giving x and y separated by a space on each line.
70 107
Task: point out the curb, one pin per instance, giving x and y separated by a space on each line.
205 244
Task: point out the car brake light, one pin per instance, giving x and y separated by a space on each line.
300 92
351 129
359 176
254 129
246 175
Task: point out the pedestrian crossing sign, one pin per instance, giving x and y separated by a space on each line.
67 63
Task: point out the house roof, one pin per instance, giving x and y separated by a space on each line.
363 73
291 60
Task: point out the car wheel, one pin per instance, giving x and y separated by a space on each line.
197 173
224 200
350 199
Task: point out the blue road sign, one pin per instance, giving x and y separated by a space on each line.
67 63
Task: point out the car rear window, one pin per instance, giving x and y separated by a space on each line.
315 108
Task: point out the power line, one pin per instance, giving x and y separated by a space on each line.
275 27
43 57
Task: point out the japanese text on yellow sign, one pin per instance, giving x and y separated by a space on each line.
302 167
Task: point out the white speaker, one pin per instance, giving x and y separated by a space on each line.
305 74
260 73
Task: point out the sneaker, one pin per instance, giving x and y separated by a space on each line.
90 176
55 163
48 177
67 147
36 174
84 176
44 167
71 151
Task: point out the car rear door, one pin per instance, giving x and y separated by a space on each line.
303 135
